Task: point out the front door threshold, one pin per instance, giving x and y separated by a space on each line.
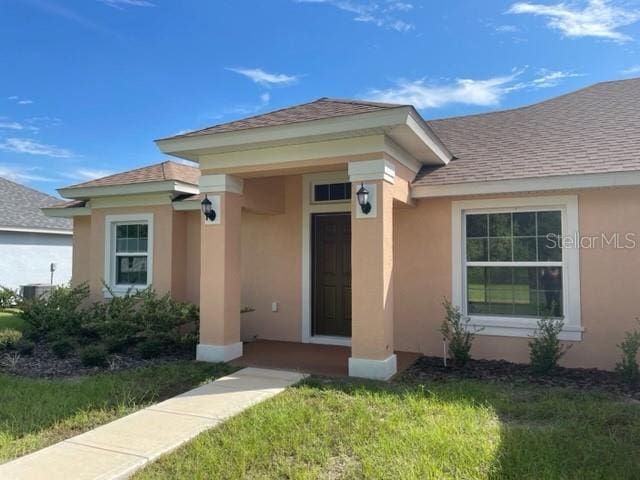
330 340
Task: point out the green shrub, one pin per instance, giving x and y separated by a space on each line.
62 348
8 298
152 347
628 367
58 313
545 348
9 338
94 356
457 333
25 347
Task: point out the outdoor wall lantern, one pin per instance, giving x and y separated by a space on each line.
208 212
363 199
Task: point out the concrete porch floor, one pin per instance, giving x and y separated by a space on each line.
328 360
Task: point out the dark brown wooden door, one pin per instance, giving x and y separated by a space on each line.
331 291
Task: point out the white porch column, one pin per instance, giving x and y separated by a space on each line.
220 271
372 351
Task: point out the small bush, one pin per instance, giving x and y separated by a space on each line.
628 367
152 347
9 338
94 356
546 349
25 347
62 348
59 313
8 298
457 333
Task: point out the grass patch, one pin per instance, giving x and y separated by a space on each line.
454 430
36 413
9 319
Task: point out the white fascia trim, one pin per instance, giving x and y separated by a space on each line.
36 230
66 212
401 155
218 353
520 326
109 237
221 183
337 125
129 189
559 182
373 369
416 123
368 170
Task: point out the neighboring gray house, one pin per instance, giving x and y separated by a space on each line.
29 241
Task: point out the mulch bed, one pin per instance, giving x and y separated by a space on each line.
432 369
44 364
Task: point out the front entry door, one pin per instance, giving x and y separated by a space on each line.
331 290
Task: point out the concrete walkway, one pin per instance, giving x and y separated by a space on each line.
118 449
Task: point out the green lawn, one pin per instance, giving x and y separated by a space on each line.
455 430
36 413
9 319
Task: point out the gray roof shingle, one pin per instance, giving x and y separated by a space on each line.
593 130
20 208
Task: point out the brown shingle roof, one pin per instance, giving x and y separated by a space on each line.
593 130
316 110
159 172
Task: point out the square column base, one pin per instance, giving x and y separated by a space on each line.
373 369
218 353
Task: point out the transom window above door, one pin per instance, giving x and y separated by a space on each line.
331 192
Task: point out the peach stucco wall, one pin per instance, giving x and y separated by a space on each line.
272 265
609 280
81 250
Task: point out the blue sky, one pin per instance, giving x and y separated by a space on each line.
86 85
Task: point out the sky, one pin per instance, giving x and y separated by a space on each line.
87 85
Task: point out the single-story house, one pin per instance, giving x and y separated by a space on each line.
30 241
512 215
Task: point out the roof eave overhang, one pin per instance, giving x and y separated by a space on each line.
85 193
47 231
402 124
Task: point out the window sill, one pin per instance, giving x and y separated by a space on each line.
518 327
121 291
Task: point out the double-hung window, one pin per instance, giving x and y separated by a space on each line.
128 251
512 269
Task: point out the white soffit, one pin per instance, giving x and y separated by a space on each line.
402 124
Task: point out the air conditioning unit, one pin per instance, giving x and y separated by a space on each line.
35 290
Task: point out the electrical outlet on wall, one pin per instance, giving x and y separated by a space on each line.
274 307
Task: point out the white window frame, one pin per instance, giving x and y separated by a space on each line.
519 326
312 191
110 223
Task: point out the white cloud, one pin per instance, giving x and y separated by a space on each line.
265 79
25 145
507 29
381 14
633 70
9 125
121 4
595 18
485 93
87 173
21 174
20 100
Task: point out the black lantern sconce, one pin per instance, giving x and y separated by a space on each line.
363 199
207 210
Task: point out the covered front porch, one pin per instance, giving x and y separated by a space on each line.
297 231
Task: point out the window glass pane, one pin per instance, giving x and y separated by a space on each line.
131 270
500 225
549 249
524 224
348 187
524 249
121 245
476 290
121 231
549 222
500 289
321 193
337 191
525 293
500 250
477 226
477 250
144 231
142 244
